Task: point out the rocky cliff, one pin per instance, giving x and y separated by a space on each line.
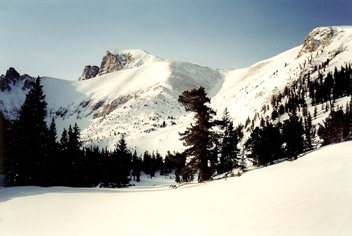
89 72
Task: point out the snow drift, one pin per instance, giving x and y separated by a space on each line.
309 196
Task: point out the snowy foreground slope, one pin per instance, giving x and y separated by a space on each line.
309 196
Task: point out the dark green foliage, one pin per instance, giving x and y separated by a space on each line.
332 86
169 163
228 145
64 140
147 163
293 132
274 114
198 138
136 167
309 133
50 164
3 134
264 145
34 157
121 160
337 127
178 161
158 162
28 148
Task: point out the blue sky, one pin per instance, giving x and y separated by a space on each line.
59 37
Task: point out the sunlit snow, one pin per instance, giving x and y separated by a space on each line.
309 196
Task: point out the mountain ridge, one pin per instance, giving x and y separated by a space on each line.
137 99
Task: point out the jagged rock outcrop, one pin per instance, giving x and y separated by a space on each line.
116 60
12 77
318 38
112 62
11 73
89 72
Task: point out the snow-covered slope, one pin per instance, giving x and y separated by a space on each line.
309 196
135 101
139 99
245 91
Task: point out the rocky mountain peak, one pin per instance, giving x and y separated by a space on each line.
12 77
114 62
89 72
11 74
318 38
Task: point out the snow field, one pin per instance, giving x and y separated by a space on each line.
309 196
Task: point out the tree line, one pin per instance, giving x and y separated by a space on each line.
32 153
209 153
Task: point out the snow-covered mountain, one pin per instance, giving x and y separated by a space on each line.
245 91
135 93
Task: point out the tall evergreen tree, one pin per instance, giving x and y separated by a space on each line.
136 166
336 128
228 146
29 150
293 136
147 162
168 163
309 132
64 140
198 138
74 143
3 133
123 162
265 144
52 169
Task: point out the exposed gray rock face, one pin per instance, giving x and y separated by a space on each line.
112 62
12 77
317 39
89 72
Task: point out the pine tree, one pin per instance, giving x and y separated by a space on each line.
74 144
136 166
52 167
228 146
179 163
3 132
168 163
309 132
29 150
349 117
123 160
147 163
198 138
293 136
315 112
71 158
64 140
242 163
336 128
265 144
152 165
158 162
